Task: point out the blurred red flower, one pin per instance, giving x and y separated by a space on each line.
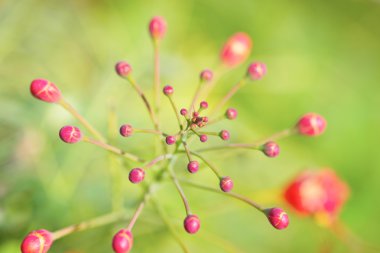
321 193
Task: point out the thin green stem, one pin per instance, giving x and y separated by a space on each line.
187 150
230 194
113 149
211 166
81 119
255 145
138 211
149 131
228 96
168 223
156 82
145 100
176 112
195 98
158 159
208 133
178 187
96 222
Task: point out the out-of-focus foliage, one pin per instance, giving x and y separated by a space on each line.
322 56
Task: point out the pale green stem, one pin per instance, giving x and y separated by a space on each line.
228 96
113 149
96 222
81 119
230 194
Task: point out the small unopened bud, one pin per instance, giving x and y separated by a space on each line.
38 241
170 140
168 90
257 70
224 134
193 166
236 50
136 175
311 124
45 90
231 113
123 68
277 217
192 224
70 134
203 105
157 27
206 75
226 184
183 112
271 149
122 241
203 138
126 130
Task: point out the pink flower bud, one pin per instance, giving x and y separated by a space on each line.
271 149
70 134
311 124
183 112
191 224
257 70
206 75
170 140
278 218
168 90
224 134
38 241
136 175
126 130
203 138
122 241
45 90
203 105
236 50
231 113
226 184
123 68
193 166
157 27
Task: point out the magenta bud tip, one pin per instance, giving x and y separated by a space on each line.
226 184
126 130
271 149
38 241
257 70
191 224
203 138
236 50
311 124
231 113
193 166
157 27
277 217
225 135
70 134
136 175
45 90
123 68
122 241
206 75
168 90
170 140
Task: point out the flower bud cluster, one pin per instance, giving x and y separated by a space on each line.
327 195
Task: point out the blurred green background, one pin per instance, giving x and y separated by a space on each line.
322 56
